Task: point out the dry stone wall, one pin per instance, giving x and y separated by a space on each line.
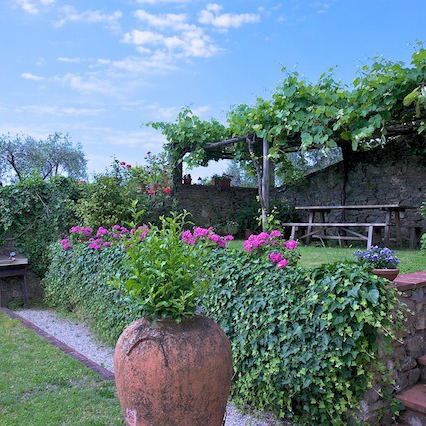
402 363
389 175
211 205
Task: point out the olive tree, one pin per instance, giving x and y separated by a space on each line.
23 155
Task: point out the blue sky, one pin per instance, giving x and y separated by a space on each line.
98 70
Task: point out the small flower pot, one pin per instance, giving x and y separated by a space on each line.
389 274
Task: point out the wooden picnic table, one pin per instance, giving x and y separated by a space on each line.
318 228
12 268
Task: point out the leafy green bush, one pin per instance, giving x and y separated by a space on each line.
423 210
80 279
107 200
168 271
35 213
304 343
160 273
247 216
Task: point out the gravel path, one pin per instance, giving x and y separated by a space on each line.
78 337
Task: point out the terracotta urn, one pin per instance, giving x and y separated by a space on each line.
390 274
173 374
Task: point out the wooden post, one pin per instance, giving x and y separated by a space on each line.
265 182
177 174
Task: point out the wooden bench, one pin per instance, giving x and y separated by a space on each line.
321 233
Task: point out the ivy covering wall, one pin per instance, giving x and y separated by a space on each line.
304 341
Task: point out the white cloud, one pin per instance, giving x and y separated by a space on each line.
69 60
211 16
156 2
135 65
169 20
158 112
33 6
58 111
192 42
143 138
87 83
163 113
143 37
89 17
320 7
29 76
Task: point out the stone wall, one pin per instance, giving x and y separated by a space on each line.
402 362
211 205
390 175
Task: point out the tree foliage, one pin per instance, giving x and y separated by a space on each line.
23 155
35 212
301 115
107 200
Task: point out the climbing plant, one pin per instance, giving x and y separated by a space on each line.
384 100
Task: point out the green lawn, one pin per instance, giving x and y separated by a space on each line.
411 260
40 385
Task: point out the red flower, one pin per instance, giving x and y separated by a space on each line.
150 191
122 163
128 166
167 190
148 153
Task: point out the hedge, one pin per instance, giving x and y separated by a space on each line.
304 341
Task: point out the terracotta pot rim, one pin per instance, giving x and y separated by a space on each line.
385 269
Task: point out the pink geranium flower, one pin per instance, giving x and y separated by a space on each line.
276 257
291 244
282 264
188 237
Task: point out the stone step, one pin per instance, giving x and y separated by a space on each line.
422 364
412 418
410 281
414 398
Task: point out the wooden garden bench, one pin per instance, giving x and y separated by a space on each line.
319 230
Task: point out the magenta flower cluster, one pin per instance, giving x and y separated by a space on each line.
256 241
66 244
271 241
82 230
279 259
103 237
206 234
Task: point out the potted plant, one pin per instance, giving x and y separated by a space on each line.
187 179
382 260
172 366
223 181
